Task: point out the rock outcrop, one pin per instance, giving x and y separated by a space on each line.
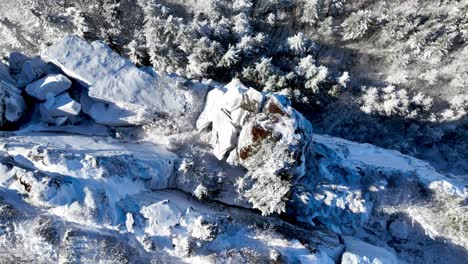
262 133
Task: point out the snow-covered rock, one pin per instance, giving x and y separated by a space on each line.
114 80
57 110
226 110
25 69
399 229
264 134
349 181
62 105
49 86
85 157
12 105
5 75
360 252
113 114
161 217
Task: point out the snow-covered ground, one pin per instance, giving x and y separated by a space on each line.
105 162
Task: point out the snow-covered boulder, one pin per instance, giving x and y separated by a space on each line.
12 105
115 81
57 110
111 114
49 86
62 105
264 134
226 110
360 252
161 217
5 74
26 70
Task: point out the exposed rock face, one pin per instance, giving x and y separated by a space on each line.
12 105
133 96
264 134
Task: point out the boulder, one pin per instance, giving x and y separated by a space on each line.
25 69
49 86
226 111
399 229
12 105
113 114
16 61
62 105
57 110
5 74
360 252
113 80
264 134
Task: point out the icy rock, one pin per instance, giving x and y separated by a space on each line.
114 80
399 229
49 86
360 252
12 104
5 75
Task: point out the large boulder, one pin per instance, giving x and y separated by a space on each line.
5 74
360 252
12 105
25 70
115 82
57 110
49 86
262 133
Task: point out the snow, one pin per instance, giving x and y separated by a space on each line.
11 102
136 97
357 155
86 183
360 252
49 86
62 105
161 217
84 157
5 74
